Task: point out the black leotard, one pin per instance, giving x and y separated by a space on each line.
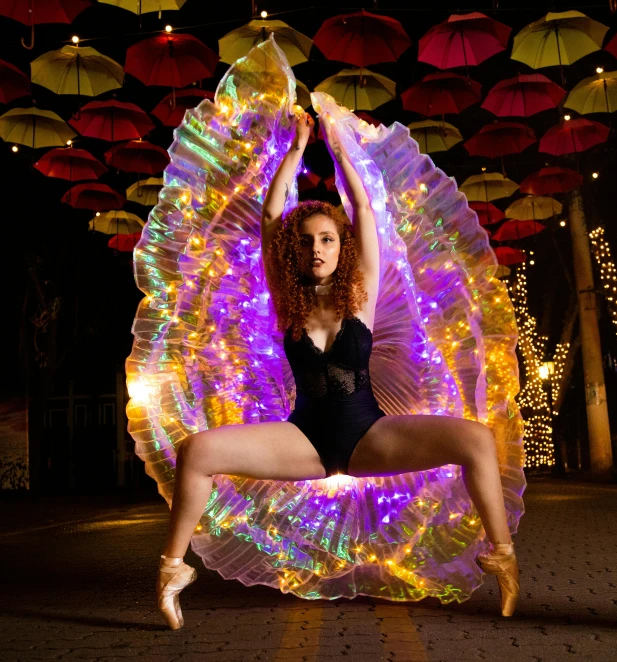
335 404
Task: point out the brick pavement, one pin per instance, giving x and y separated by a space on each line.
78 585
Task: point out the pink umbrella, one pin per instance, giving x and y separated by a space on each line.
500 138
523 96
573 136
441 93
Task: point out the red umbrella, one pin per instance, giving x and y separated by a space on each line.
573 136
523 96
172 108
611 47
94 196
441 93
308 180
362 38
124 242
500 138
70 163
138 156
112 120
548 181
13 82
34 12
514 229
175 60
487 212
463 40
507 255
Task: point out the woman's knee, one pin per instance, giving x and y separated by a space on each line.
480 442
197 451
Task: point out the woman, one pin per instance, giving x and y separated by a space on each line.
323 275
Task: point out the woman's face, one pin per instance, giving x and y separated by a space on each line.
320 248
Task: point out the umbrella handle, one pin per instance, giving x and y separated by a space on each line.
31 45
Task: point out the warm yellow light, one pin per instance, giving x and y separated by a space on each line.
595 175
75 39
168 28
483 168
15 148
264 14
140 391
566 117
98 213
69 142
562 223
599 70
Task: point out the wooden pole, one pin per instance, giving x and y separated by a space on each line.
595 390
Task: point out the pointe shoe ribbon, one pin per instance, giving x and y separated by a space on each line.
501 561
173 576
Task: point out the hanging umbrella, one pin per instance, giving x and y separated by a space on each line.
488 186
434 136
170 111
362 39
35 12
307 180
558 39
70 163
13 82
463 40
534 207
487 212
145 191
112 120
515 229
138 156
508 255
573 136
500 138
551 180
140 7
596 94
441 93
330 183
239 42
34 128
502 271
116 222
345 86
125 243
303 95
94 196
611 47
523 96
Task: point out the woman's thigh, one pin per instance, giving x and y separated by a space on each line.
274 451
399 444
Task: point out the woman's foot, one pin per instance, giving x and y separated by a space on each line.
501 561
173 576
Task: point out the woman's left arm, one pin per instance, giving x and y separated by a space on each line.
364 228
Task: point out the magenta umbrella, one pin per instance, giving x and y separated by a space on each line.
573 136
523 96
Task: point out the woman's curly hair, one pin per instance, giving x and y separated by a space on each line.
293 301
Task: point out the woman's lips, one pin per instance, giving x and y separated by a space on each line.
316 263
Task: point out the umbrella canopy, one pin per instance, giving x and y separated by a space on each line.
514 230
138 156
307 180
145 6
112 120
534 207
523 96
145 191
13 82
116 222
124 242
362 38
80 70
170 59
573 136
349 90
34 128
551 180
500 138
487 212
463 40
611 47
434 136
170 111
441 93
94 196
508 255
596 94
70 163
239 42
557 39
488 186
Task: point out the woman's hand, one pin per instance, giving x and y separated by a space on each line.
331 139
304 126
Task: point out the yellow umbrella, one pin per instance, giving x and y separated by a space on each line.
77 70
238 42
558 38
145 191
35 128
433 136
303 96
533 207
358 89
116 221
487 186
502 271
596 94
145 6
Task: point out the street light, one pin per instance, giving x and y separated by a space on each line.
546 372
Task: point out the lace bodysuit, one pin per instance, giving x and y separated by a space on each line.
335 405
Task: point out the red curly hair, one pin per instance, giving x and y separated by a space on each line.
293 302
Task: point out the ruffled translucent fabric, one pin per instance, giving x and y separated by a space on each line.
207 353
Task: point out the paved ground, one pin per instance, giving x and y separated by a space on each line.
78 578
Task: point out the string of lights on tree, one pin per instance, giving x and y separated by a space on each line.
608 274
